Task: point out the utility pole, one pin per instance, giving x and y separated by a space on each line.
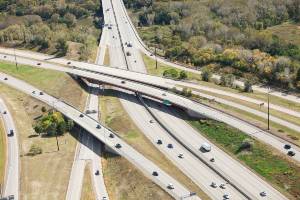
155 57
15 58
269 108
57 144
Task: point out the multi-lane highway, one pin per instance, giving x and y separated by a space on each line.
11 185
134 75
251 186
161 94
121 10
105 135
88 150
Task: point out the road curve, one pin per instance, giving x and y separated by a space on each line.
175 99
89 124
12 177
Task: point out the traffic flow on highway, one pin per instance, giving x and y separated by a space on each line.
149 102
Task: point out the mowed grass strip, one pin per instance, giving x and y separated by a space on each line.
127 179
265 161
53 82
2 152
87 192
151 69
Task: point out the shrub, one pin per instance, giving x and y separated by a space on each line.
248 87
34 150
206 75
170 73
182 74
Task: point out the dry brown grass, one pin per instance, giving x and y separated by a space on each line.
122 181
44 176
87 192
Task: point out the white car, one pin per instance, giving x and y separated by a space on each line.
171 186
206 147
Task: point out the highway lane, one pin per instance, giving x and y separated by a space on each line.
138 41
198 172
88 150
12 177
175 99
119 71
242 177
229 167
103 134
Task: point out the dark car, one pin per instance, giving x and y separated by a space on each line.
111 135
122 82
118 146
291 153
68 62
98 126
33 92
11 133
287 146
4 56
81 115
11 197
159 142
154 173
38 63
5 78
97 172
170 146
41 93
128 53
4 112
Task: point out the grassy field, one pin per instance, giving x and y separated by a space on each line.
106 57
38 172
278 170
287 31
135 185
151 68
150 64
275 128
2 152
87 192
50 81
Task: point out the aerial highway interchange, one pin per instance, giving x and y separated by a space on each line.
218 174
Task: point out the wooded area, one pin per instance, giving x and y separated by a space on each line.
224 36
50 26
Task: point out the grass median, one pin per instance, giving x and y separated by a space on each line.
127 182
274 167
43 176
87 192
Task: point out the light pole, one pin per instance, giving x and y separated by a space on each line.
57 144
269 108
15 58
155 57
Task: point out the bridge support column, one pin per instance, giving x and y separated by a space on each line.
194 114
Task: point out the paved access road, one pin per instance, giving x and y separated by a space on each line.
121 10
12 177
103 134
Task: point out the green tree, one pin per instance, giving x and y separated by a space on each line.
62 47
206 75
70 19
170 73
182 74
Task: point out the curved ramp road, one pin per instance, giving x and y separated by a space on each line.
127 23
103 134
175 99
11 185
7 54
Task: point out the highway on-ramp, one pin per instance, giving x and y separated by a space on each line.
102 133
12 177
